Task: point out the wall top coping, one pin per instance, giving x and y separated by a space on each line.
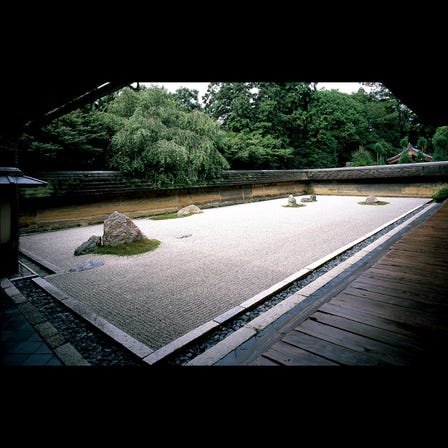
376 168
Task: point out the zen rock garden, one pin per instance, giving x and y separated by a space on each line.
119 229
292 201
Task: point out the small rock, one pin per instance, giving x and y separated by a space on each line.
184 235
88 265
88 246
371 200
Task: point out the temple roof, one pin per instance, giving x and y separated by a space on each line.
412 151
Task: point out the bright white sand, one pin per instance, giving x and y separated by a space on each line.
232 254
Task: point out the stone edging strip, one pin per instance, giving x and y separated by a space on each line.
133 345
46 264
65 351
240 336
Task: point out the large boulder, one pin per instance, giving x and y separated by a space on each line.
371 200
189 210
291 201
119 229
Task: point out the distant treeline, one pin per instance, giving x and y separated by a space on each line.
173 139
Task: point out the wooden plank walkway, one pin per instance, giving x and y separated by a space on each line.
394 313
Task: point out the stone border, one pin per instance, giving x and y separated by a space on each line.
64 350
44 263
133 345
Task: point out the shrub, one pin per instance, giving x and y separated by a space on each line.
441 194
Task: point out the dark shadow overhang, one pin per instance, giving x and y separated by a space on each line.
426 96
48 98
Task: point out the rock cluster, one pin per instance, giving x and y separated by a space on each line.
118 229
311 198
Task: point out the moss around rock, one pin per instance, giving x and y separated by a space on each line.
137 247
373 203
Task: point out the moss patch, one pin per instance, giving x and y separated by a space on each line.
441 194
373 203
294 206
137 247
171 216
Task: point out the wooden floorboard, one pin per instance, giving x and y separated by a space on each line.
288 355
393 313
391 275
333 351
377 353
376 333
407 299
401 284
368 318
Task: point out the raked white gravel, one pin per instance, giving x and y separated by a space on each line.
209 262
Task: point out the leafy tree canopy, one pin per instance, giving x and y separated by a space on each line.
163 142
341 117
362 157
75 141
172 139
440 144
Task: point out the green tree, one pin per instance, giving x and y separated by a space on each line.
362 157
231 104
388 118
75 141
124 103
339 117
422 143
281 110
164 143
440 144
380 151
271 114
404 142
189 98
251 150
405 158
